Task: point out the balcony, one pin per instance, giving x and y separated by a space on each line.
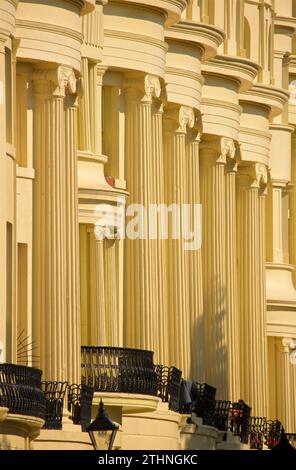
22 406
108 369
130 371
20 390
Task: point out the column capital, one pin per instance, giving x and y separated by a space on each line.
224 147
148 85
101 70
62 79
286 345
255 175
183 117
105 232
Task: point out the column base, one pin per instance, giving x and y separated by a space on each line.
230 443
65 439
18 431
197 436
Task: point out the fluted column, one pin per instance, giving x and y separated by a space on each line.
142 294
73 320
194 258
285 398
158 197
292 224
175 127
84 126
251 185
111 296
233 343
97 319
52 208
213 197
3 315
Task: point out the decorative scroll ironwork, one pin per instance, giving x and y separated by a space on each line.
169 381
240 420
258 427
79 404
222 409
54 393
205 403
108 369
272 433
20 390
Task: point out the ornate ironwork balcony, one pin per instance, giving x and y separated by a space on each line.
20 390
205 403
169 381
79 404
222 410
240 414
258 428
54 393
108 369
272 433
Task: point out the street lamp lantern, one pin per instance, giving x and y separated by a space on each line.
102 430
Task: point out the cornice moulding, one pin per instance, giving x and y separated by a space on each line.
282 22
50 28
236 68
282 127
221 104
204 36
267 96
136 37
185 73
99 194
171 8
255 132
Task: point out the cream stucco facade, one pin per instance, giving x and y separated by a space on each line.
104 104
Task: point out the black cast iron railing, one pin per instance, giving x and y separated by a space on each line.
80 403
20 390
239 420
54 393
222 409
124 370
258 428
205 403
169 381
272 433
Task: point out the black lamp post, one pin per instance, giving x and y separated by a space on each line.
102 430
